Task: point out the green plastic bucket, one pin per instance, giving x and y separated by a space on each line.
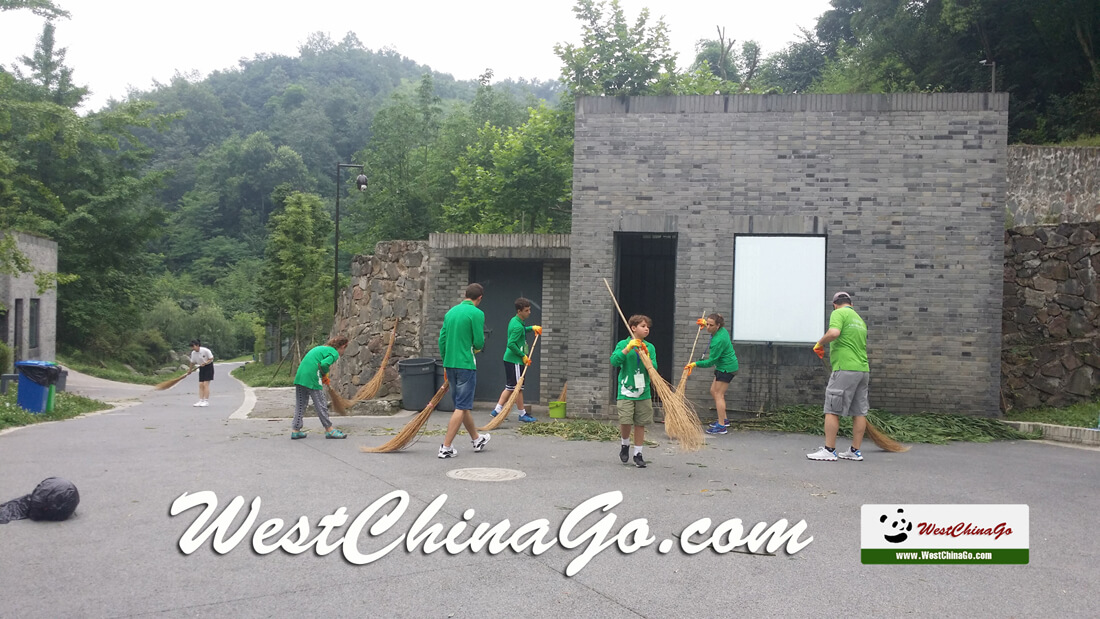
557 410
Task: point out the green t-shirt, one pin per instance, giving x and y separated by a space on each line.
316 362
463 332
721 354
517 341
633 377
849 351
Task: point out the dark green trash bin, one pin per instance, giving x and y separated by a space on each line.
417 382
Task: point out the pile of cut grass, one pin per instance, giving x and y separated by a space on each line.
934 428
575 430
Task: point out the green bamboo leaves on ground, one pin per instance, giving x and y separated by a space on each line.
574 430
935 428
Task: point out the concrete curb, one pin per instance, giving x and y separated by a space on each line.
1061 434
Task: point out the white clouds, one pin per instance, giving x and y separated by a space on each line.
116 44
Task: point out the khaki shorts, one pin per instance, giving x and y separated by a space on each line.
635 412
846 394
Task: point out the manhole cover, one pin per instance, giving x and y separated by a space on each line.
484 474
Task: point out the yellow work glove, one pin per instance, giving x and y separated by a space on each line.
819 350
324 379
526 360
537 329
632 344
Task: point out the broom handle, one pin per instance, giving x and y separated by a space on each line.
613 300
691 357
523 375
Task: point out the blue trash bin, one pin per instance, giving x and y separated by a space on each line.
35 378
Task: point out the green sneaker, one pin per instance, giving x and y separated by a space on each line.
297 434
334 433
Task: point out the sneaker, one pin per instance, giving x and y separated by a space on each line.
851 454
639 461
297 434
822 454
199 403
447 452
715 423
334 433
527 418
204 403
718 428
482 440
494 413
624 453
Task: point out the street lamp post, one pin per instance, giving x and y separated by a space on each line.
361 184
992 74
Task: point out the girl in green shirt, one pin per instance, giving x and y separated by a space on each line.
724 361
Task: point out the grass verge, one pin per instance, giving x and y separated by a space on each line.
66 406
1082 415
259 375
111 370
935 428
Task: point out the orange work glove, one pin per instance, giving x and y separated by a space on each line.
526 360
820 350
631 345
537 329
701 322
324 379
689 368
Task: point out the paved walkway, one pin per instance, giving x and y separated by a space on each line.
120 556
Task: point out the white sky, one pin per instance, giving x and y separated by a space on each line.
115 45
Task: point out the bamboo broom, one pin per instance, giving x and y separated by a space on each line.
499 419
370 389
878 437
340 404
411 429
681 422
682 387
168 384
561 398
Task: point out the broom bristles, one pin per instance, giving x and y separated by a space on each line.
883 441
370 389
502 415
340 404
681 423
168 384
411 429
561 398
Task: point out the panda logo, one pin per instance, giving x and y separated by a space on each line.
899 527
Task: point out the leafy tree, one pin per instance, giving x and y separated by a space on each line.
42 8
295 271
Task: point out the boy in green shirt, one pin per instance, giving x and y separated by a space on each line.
633 400
846 393
515 358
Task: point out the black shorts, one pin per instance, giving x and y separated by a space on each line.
724 377
512 372
206 373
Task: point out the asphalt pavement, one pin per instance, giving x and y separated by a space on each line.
120 554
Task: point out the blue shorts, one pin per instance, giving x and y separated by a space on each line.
463 383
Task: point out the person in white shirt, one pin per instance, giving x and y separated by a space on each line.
203 359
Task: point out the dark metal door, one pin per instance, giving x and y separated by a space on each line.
504 282
647 285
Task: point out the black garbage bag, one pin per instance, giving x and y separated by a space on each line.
53 499
40 373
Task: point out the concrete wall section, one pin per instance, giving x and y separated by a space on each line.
909 188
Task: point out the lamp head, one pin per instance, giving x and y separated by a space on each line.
361 182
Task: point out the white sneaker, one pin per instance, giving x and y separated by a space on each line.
447 452
822 454
482 440
199 403
851 454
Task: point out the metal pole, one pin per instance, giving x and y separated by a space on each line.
336 256
993 79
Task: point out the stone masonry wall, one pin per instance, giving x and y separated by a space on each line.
1053 184
387 287
1051 341
909 188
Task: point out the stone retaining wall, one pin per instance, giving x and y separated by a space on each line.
1049 184
1051 320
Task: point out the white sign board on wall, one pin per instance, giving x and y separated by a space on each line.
778 288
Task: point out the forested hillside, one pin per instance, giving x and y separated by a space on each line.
205 206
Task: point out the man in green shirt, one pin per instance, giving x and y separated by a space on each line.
846 393
462 335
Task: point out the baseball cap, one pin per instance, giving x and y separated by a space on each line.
840 295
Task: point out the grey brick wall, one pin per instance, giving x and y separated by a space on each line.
42 254
910 190
555 321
